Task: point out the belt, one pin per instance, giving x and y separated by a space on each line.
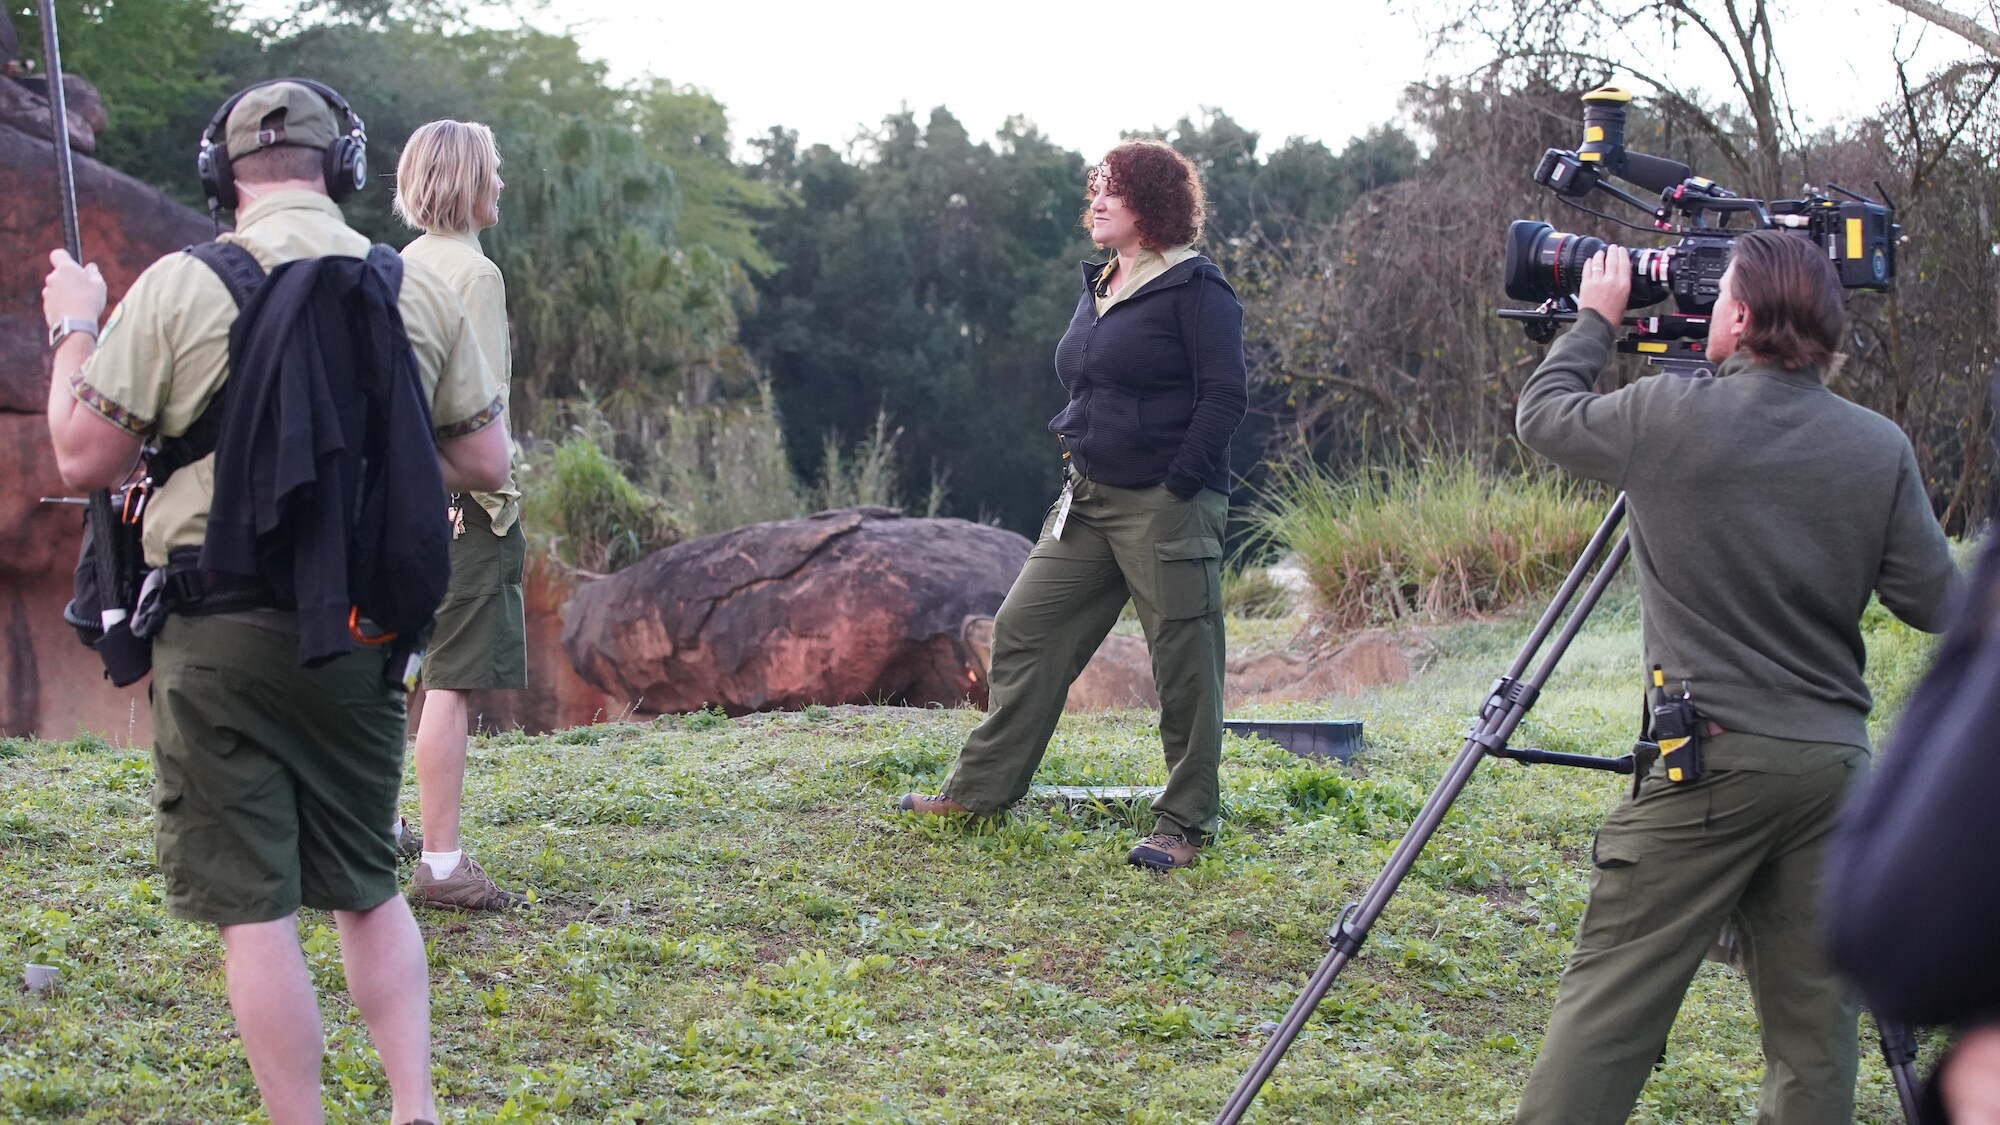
204 593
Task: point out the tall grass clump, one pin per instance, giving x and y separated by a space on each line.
578 502
866 475
1431 539
725 465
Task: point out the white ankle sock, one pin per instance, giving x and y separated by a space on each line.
442 864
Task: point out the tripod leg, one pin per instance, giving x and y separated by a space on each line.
1503 710
1899 1051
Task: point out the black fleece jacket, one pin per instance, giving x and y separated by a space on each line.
1156 385
326 477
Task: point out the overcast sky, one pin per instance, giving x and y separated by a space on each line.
1084 71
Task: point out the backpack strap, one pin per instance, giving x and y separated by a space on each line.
238 270
242 276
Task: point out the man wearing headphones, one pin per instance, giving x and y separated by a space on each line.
276 783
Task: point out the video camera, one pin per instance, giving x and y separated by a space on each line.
1546 265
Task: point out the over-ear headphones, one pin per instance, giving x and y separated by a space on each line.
345 167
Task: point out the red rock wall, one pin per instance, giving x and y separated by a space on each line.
49 684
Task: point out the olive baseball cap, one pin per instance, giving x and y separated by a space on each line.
282 113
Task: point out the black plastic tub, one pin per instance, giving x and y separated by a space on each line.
1339 739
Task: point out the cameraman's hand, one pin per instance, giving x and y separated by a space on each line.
1607 283
1970 1083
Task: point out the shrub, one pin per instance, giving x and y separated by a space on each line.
593 516
1434 539
1254 593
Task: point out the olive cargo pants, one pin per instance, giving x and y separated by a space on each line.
1163 552
1672 864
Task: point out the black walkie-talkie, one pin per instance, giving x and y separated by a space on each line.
1677 731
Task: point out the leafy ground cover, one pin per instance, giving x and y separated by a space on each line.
732 926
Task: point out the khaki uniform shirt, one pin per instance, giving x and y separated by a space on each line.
457 259
165 350
1149 265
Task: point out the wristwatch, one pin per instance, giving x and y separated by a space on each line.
62 329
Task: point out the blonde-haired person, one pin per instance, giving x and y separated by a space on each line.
448 186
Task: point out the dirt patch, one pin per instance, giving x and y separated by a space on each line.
1303 667
1327 669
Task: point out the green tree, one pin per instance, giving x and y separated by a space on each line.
688 130
151 60
603 300
930 277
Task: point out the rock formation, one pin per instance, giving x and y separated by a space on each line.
1119 675
857 605
49 684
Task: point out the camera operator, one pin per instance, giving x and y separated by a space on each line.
1764 511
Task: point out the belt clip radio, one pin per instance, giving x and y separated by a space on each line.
1677 731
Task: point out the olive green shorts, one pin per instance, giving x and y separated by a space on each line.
481 638
274 785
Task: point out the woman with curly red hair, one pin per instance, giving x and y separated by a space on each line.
1153 363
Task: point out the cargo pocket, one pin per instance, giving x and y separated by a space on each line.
1614 876
1190 577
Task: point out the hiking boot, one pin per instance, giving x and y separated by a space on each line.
409 845
468 888
1163 851
939 805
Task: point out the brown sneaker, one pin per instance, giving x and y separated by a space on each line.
938 805
468 888
409 845
1163 851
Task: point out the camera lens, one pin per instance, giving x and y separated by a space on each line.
1543 262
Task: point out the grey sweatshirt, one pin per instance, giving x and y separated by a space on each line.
1764 509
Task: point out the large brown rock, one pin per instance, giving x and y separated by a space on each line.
857 605
1120 673
126 225
1118 677
51 684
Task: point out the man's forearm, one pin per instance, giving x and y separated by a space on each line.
1572 366
90 451
478 461
69 359
1562 417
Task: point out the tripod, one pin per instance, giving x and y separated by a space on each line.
1506 705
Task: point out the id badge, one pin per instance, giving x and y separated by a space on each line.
1062 511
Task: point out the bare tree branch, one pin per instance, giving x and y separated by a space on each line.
1962 26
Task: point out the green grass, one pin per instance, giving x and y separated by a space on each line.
1436 539
733 927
